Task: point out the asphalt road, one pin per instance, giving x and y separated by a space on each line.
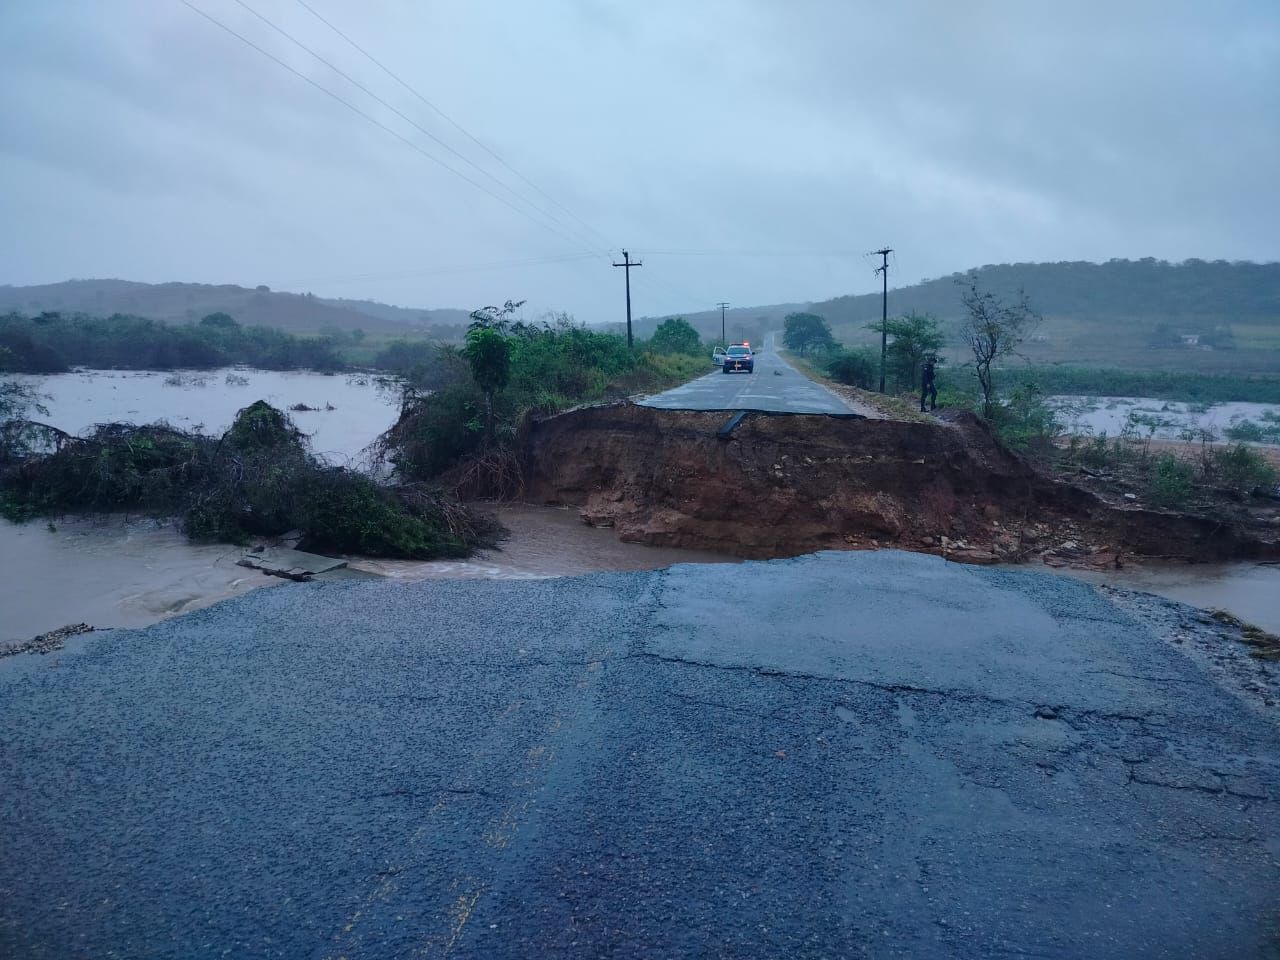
775 386
842 755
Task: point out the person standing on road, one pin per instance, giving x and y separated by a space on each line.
928 385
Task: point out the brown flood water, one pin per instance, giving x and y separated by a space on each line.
1251 591
113 573
127 574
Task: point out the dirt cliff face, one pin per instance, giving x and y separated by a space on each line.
784 485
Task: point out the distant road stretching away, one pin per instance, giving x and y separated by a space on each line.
775 386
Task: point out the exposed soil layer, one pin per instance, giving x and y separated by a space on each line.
781 485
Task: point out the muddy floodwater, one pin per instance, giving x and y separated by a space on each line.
113 573
117 573
1251 591
109 574
350 410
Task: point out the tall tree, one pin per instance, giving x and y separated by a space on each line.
495 318
993 328
914 337
489 354
803 332
675 335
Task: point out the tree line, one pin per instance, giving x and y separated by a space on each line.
55 342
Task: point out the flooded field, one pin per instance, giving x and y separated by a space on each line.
349 410
1168 419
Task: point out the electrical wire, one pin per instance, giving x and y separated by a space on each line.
377 123
425 132
457 126
749 253
453 270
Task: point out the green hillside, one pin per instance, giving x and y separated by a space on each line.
1197 315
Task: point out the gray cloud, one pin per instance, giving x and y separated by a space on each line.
139 140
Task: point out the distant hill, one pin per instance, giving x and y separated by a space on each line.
407 316
1197 315
1211 316
1195 292
188 302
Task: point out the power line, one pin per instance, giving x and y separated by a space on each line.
425 132
454 269
457 126
671 290
749 253
377 123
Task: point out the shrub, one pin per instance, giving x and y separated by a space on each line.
858 368
675 335
1240 466
1024 421
551 368
345 512
258 479
1170 481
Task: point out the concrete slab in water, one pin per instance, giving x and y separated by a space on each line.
290 563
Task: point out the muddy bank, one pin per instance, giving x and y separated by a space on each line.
776 486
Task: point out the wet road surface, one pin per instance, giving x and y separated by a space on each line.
842 755
775 386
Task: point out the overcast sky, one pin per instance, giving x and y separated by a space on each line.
747 151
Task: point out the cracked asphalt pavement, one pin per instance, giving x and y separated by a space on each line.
840 755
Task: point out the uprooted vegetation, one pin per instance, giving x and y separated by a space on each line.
257 480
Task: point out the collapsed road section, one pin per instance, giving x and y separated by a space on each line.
763 485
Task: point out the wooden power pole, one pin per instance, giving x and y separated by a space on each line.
883 269
722 304
627 262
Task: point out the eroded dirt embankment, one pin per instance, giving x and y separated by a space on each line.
784 485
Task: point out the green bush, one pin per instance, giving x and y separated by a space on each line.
1025 422
344 512
551 368
1170 481
1239 466
1250 431
258 479
857 368
675 335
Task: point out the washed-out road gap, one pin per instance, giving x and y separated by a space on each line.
775 387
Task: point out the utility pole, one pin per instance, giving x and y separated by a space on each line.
722 304
626 262
884 310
